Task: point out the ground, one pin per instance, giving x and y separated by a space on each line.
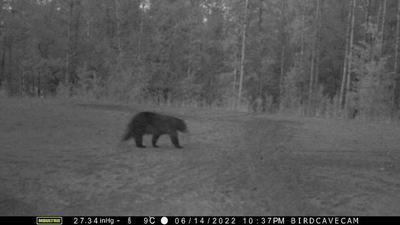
65 158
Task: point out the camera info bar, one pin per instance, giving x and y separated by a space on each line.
198 220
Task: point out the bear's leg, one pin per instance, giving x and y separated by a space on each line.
139 141
154 140
175 140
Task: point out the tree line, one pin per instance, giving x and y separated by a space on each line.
313 57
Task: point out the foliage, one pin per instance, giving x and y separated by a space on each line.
188 52
373 82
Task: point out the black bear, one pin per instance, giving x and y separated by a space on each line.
155 124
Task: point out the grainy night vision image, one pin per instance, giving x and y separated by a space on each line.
199 107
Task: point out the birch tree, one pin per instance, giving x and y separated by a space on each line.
244 28
348 55
351 39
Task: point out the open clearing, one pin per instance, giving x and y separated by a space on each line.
59 158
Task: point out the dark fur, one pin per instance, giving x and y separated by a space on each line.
156 125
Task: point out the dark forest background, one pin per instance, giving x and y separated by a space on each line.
311 57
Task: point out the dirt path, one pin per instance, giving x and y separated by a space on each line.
64 159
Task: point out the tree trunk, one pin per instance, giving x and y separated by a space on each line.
139 44
3 52
260 15
367 20
318 45
234 105
379 17
77 17
381 33
348 77
118 28
38 85
10 69
235 74
261 31
303 23
396 62
69 45
283 48
22 84
2 65
346 59
243 52
73 39
313 58
282 69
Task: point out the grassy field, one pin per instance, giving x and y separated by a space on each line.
65 158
